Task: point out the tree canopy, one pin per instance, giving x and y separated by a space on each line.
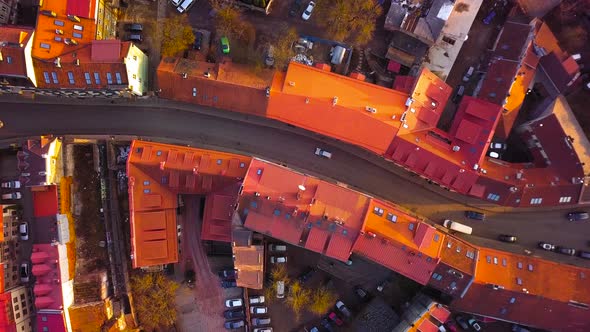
350 21
282 51
153 300
177 35
298 298
321 301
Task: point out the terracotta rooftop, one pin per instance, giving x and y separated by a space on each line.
249 262
13 40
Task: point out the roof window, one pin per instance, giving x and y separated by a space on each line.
512 300
87 77
9 59
391 217
158 153
118 77
242 165
411 226
45 46
109 78
54 77
59 23
71 78
146 191
378 211
46 76
518 281
146 183
536 201
519 265
78 27
436 237
259 171
97 78
219 161
77 35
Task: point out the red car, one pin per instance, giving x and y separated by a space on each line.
333 317
451 326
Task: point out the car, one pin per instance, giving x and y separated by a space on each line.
488 19
198 40
236 324
224 45
462 322
343 309
189 276
475 215
233 314
565 251
326 324
136 27
547 246
258 310
517 328
584 254
307 12
323 153
24 272
468 74
305 276
23 229
11 184
507 238
277 247
260 321
459 94
229 283
474 325
498 146
278 259
383 284
134 37
451 326
256 299
578 215
361 293
295 7
227 274
280 289
234 303
263 329
333 317
494 154
15 195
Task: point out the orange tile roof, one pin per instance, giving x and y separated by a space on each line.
14 40
249 262
459 254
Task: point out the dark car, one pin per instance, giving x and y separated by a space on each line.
326 324
489 18
134 37
229 283
565 251
233 314
295 8
136 27
227 274
198 40
189 276
305 276
475 215
584 254
547 246
361 293
462 321
236 324
507 238
579 215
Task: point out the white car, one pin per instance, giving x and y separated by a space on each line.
258 310
234 303
278 259
24 272
323 153
256 299
24 230
498 146
307 12
15 195
263 329
11 184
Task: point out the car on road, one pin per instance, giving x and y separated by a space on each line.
11 184
234 303
578 215
256 299
278 259
494 154
547 246
584 254
565 251
462 322
227 274
198 40
333 317
475 215
323 153
277 247
307 12
306 275
234 314
343 309
451 326
507 238
236 324
295 8
231 283
458 94
15 195
23 229
136 27
134 37
224 45
488 19
326 324
474 325
260 321
24 272
498 146
280 289
263 329
258 310
468 74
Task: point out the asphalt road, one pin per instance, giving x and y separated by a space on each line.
267 139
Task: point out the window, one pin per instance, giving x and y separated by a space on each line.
411 227
378 211
493 197
158 153
78 27
504 262
46 76
15 299
146 183
54 77
436 276
56 38
518 281
22 297
71 78
87 77
118 77
9 59
392 217
77 35
109 78
194 92
219 161
519 265
448 40
536 201
58 23
17 316
45 46
97 78
146 191
565 199
242 165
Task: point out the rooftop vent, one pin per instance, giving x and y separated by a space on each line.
456 148
48 13
371 109
59 32
74 18
334 101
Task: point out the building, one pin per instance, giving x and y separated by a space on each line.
17 310
38 160
423 315
248 259
16 63
9 241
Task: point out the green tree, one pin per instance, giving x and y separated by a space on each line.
153 300
177 35
350 21
321 301
299 297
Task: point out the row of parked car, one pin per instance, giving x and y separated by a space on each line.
11 185
235 316
564 250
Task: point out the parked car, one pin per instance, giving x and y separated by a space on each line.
236 324
224 45
260 321
578 215
451 326
361 293
474 325
459 94
307 12
584 254
231 283
258 310
277 247
134 37
280 289
323 153
565 251
343 309
234 303
547 246
15 195
24 272
256 299
507 238
305 276
517 328
468 74
462 322
278 259
475 215
295 8
494 154
333 317
263 329
136 27
198 40
233 314
11 184
488 19
24 230
326 324
227 274
189 276
498 146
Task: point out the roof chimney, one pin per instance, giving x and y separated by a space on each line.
57 62
59 32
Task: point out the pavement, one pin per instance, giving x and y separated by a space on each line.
271 140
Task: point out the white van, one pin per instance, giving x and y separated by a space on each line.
185 5
453 225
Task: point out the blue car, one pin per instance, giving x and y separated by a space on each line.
489 18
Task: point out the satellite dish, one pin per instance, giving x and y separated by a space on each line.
301 187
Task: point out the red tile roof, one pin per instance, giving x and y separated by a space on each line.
45 201
81 8
217 217
513 40
12 48
560 73
427 326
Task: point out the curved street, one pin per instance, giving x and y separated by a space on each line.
201 127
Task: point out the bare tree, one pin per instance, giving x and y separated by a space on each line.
351 21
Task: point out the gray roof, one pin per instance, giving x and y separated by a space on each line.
395 16
376 316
